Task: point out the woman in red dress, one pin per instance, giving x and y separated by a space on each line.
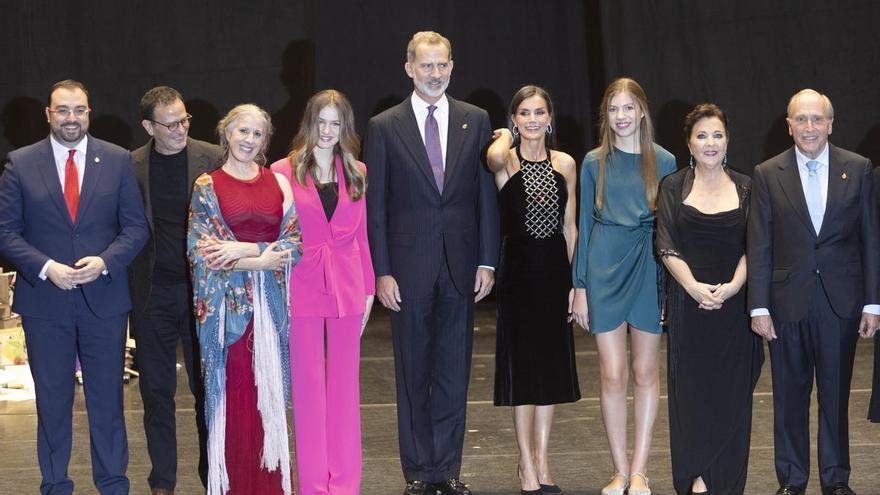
243 237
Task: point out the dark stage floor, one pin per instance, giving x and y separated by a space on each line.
580 456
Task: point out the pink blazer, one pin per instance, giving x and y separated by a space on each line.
335 273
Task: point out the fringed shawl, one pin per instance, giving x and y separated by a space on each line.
225 301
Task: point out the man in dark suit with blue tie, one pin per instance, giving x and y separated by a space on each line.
71 220
814 287
433 230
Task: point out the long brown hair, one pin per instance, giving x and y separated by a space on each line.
646 140
302 158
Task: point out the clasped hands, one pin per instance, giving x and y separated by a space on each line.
226 255
710 297
85 270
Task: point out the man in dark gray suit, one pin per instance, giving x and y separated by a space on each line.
814 287
433 229
166 168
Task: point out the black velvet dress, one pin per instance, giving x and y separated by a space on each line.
534 358
714 359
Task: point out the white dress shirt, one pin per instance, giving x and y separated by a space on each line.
60 153
441 114
822 171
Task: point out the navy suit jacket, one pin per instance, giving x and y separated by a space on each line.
410 224
35 226
787 257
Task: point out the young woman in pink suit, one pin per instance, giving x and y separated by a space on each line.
331 293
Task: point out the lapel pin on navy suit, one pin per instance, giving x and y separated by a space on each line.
464 126
97 159
843 176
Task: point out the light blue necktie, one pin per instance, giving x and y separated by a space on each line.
814 195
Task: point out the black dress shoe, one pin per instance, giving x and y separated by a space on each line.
452 486
838 489
531 492
418 487
789 490
550 489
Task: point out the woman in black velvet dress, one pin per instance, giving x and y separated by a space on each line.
534 361
714 359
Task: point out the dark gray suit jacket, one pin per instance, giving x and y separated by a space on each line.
786 257
410 223
201 157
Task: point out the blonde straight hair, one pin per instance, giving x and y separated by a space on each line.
646 140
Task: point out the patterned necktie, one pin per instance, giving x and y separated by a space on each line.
71 186
432 145
814 195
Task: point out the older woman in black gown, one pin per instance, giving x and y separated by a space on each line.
714 360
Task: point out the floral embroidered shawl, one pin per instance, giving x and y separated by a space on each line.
224 302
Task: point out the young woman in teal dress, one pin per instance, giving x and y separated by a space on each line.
615 274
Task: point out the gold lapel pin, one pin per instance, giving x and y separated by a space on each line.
97 159
464 126
843 176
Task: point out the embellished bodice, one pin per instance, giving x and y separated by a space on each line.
532 202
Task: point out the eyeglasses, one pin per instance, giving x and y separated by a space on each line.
174 125
817 120
65 112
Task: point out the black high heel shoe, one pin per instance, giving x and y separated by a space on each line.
539 491
550 490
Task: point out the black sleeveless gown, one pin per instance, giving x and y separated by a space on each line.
714 359
534 357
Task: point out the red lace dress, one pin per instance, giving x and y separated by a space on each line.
253 211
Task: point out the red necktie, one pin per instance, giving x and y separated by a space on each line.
71 186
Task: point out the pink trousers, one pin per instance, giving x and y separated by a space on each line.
326 406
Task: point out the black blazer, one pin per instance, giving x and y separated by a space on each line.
786 257
410 223
201 157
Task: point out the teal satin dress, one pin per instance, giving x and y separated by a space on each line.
614 260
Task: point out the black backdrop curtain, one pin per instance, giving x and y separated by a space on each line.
748 56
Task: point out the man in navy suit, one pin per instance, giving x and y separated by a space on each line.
71 220
814 287
433 229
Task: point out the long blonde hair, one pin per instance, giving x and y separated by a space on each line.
302 158
646 140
